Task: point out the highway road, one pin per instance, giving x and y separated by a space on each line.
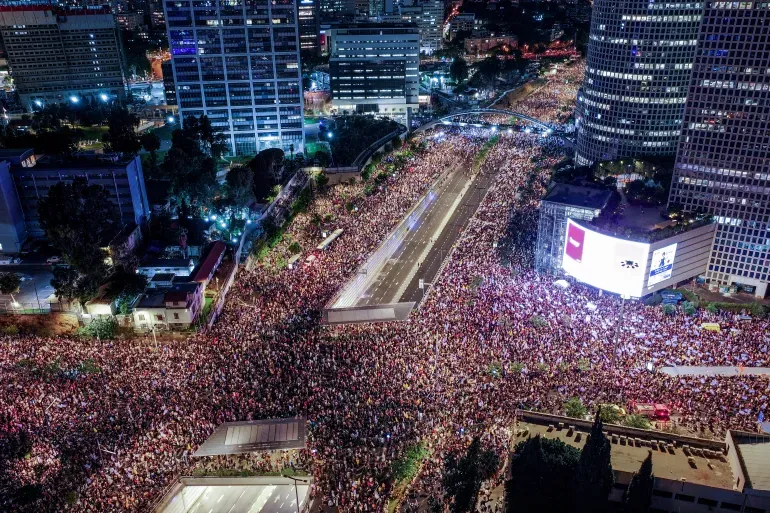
429 241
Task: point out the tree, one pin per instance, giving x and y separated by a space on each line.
542 476
639 494
151 143
266 167
240 185
64 282
573 407
9 283
458 70
593 476
463 477
121 136
191 163
488 70
76 218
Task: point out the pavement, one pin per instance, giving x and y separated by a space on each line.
35 285
428 242
715 371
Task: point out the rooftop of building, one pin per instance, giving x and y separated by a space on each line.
79 161
255 435
630 447
578 196
208 264
165 262
754 456
163 277
372 26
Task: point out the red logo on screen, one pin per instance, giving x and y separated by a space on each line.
575 237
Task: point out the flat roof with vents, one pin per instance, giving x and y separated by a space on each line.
255 435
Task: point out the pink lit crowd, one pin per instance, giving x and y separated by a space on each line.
112 439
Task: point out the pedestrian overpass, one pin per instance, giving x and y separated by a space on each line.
448 118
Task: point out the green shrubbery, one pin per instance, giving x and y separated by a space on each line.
100 328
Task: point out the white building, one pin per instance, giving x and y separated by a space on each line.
176 307
374 69
428 15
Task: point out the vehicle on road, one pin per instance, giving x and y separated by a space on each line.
653 411
53 260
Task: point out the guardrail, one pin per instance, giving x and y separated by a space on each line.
365 155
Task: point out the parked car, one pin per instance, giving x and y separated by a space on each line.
53 260
7 260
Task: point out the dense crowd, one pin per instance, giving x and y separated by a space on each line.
554 101
101 426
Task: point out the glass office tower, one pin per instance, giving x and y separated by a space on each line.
637 71
723 163
237 61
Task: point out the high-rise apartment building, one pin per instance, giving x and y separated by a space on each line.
238 63
309 26
723 162
638 67
428 15
62 55
374 68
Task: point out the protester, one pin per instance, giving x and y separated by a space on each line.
105 426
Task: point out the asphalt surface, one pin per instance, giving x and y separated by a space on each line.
429 241
35 287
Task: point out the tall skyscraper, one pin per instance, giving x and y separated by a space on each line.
62 55
637 71
238 63
374 68
309 26
429 17
723 162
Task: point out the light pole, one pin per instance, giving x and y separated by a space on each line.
296 493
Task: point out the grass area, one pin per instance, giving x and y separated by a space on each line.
311 120
314 147
481 156
164 132
94 132
404 471
207 303
226 472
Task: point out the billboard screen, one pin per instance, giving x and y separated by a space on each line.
662 264
612 264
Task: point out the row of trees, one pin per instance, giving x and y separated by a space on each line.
549 475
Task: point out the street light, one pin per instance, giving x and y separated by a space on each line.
38 103
104 97
171 119
74 99
329 135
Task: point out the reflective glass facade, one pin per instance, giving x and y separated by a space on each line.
723 162
637 71
237 61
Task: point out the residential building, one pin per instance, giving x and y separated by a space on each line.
174 307
461 23
129 20
238 63
24 181
208 266
374 68
723 166
309 26
638 68
169 88
482 45
691 475
337 10
62 55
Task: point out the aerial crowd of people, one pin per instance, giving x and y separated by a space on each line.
103 426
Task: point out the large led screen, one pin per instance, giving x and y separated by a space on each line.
662 264
608 263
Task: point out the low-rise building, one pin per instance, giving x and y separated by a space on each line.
632 250
25 180
208 266
692 475
176 266
174 307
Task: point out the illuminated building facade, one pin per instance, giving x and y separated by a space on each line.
238 62
638 68
723 165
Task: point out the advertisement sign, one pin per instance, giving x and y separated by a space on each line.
609 263
662 264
